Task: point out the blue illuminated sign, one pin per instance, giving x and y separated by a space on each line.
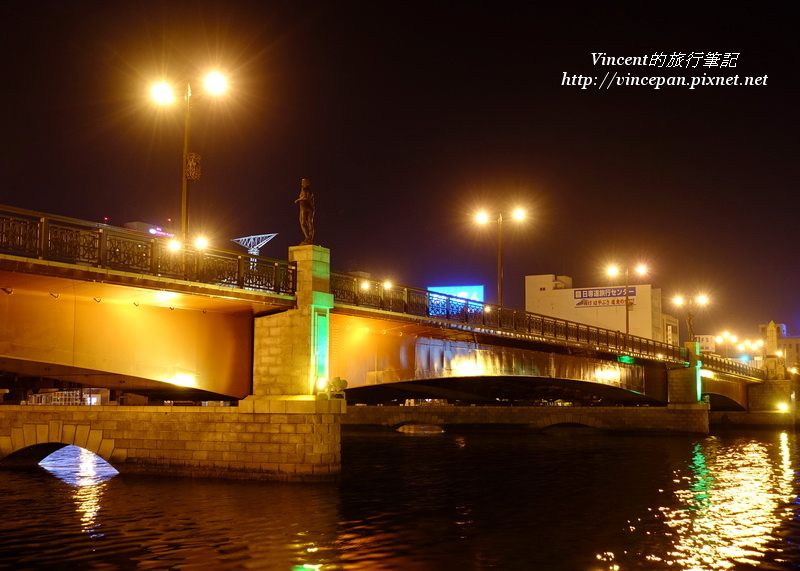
472 293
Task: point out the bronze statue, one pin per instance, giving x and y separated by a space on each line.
306 202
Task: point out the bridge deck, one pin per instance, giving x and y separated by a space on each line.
359 296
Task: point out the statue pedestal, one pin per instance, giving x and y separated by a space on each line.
290 349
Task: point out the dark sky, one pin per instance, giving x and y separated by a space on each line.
408 116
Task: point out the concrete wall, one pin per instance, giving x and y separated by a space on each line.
290 439
745 418
685 418
769 395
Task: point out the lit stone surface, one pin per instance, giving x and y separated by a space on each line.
299 444
689 418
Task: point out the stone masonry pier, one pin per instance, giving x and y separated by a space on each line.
683 418
289 440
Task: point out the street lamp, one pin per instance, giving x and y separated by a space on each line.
727 339
689 303
614 270
748 347
483 218
162 92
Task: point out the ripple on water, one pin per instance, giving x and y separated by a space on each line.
464 500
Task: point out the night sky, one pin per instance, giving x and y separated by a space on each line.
409 116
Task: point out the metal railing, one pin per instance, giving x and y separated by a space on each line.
719 363
34 235
367 293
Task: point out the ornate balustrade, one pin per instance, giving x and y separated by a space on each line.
718 363
34 235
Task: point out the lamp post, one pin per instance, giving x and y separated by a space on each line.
162 93
726 339
613 270
483 218
689 303
749 348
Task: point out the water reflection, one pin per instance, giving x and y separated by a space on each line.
78 467
558 500
86 473
731 500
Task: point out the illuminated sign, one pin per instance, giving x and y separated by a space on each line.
159 232
603 296
151 229
472 293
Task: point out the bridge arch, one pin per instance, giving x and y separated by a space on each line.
31 442
723 402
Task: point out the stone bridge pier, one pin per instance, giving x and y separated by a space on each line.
283 431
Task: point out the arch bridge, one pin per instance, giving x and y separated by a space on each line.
393 343
100 306
87 305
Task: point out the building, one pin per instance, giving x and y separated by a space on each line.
784 345
602 306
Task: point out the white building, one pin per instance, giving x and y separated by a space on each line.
602 306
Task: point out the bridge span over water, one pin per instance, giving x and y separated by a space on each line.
86 305
99 306
396 343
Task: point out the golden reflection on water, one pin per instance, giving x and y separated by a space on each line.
727 503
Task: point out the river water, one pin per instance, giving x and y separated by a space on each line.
563 499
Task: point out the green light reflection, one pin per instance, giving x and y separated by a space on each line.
723 510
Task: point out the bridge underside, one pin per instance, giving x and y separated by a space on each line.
524 391
64 326
725 393
385 360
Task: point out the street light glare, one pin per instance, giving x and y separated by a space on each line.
612 270
519 214
641 269
702 299
215 83
482 217
162 93
677 300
